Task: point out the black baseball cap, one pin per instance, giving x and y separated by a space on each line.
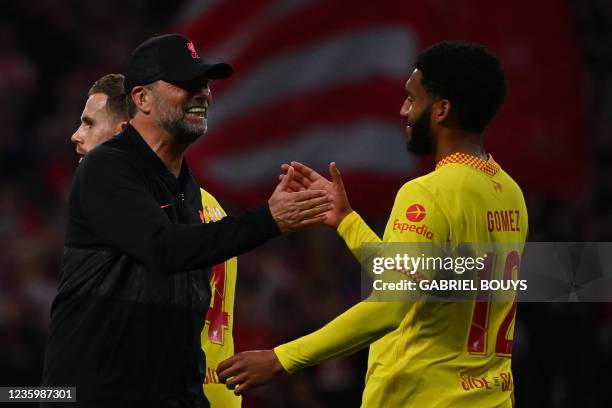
172 58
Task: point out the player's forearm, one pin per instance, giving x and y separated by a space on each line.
353 330
355 232
185 247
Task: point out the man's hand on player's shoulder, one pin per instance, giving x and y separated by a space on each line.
305 179
249 369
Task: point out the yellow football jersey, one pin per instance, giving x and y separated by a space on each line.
428 354
217 340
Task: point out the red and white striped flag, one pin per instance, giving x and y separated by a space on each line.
321 81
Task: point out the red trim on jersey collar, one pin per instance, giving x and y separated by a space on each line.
489 166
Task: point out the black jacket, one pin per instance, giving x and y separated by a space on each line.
134 288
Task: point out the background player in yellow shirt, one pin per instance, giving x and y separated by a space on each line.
217 338
425 354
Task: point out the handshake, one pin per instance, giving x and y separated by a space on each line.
303 197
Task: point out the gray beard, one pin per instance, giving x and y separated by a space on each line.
174 123
182 132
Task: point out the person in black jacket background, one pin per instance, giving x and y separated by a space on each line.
134 287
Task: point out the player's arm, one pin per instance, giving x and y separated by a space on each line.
121 212
348 333
355 232
353 330
356 328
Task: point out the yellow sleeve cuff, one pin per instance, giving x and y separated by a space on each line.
347 221
284 358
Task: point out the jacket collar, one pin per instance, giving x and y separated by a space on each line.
154 163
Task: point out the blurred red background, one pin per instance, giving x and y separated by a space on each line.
317 81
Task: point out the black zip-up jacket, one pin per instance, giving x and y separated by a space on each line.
134 287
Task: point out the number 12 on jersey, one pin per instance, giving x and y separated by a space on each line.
479 327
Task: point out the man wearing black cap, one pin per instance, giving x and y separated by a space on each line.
134 287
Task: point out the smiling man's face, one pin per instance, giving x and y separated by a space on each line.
182 109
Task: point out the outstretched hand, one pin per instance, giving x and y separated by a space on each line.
249 369
303 178
293 210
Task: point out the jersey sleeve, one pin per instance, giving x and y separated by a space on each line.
355 232
353 330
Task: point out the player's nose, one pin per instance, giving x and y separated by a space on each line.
76 137
404 108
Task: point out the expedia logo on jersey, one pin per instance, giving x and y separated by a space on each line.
402 227
414 213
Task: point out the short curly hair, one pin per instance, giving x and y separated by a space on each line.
469 76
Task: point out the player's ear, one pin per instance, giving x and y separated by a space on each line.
142 98
441 110
120 126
